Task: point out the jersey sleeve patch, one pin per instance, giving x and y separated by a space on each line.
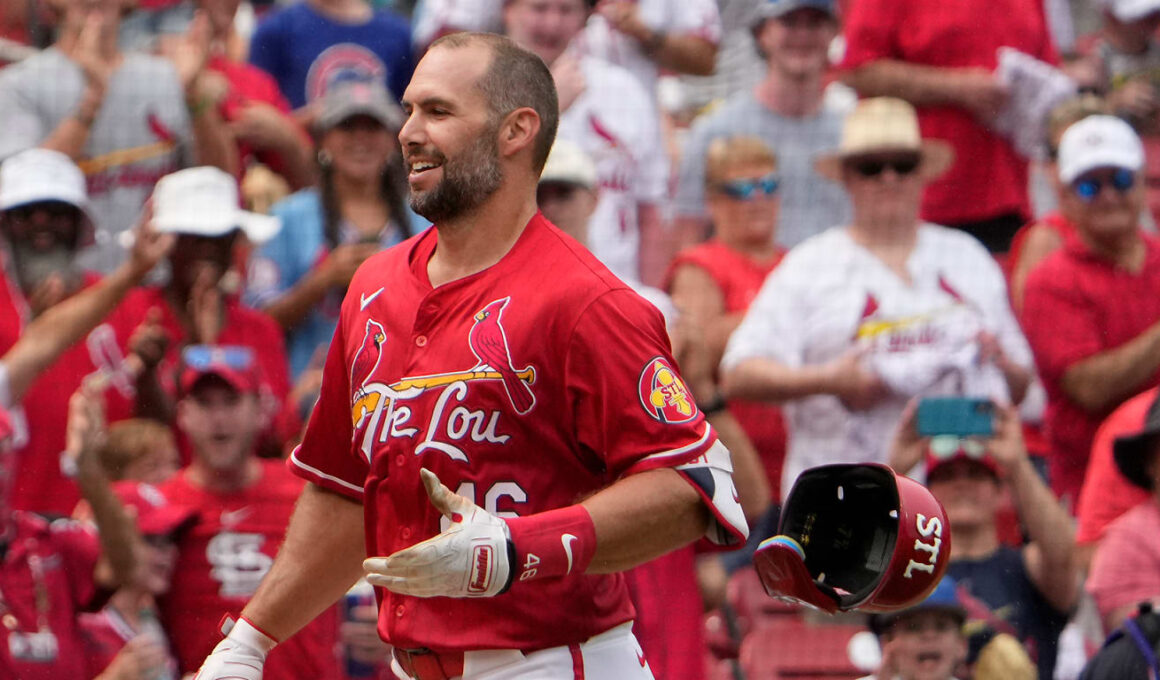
663 394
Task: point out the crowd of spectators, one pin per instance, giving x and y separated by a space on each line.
831 202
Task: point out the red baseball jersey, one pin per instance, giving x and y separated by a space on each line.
220 563
46 578
526 387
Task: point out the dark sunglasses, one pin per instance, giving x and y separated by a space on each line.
873 167
747 188
1089 187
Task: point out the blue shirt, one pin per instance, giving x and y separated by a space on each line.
1001 582
306 52
282 262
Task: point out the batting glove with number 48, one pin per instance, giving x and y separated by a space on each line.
472 558
239 656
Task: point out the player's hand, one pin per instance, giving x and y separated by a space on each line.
149 246
469 559
240 656
48 293
206 307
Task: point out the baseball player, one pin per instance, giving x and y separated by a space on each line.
500 425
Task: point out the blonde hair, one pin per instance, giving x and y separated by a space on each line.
729 151
1068 113
128 441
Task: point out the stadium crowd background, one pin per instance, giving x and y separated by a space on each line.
186 189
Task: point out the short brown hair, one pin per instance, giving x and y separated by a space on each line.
516 78
725 152
128 441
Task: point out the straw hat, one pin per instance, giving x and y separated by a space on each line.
882 125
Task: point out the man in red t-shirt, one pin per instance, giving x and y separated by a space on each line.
497 355
243 504
200 205
941 57
1091 310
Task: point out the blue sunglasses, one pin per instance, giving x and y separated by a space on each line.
201 357
1088 188
746 189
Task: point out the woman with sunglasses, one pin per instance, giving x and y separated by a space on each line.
863 316
713 283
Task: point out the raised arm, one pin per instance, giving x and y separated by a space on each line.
1050 554
121 543
62 325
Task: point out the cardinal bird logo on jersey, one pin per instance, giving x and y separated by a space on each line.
366 360
664 395
489 344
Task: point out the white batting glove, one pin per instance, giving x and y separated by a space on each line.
469 559
240 655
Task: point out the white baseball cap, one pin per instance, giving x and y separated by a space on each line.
204 202
568 163
1130 10
41 175
1099 142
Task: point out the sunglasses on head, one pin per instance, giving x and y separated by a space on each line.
873 167
201 357
1087 188
749 188
944 446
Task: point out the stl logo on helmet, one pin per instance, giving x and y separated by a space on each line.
664 395
930 529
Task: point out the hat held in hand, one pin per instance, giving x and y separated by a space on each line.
856 537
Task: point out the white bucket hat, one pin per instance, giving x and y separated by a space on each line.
204 202
884 124
41 175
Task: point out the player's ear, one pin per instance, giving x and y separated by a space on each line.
518 132
182 414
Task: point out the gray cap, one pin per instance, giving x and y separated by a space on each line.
346 99
773 9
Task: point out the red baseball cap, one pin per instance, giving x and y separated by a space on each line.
156 516
856 537
946 449
232 363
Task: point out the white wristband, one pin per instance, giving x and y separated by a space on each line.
244 633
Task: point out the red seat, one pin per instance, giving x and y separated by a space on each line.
753 607
793 649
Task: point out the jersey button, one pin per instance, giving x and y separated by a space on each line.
400 459
406 532
421 341
400 610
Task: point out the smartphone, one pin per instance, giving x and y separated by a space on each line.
961 416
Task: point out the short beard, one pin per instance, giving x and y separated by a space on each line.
469 179
34 267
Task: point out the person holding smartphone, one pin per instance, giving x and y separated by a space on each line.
1031 588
